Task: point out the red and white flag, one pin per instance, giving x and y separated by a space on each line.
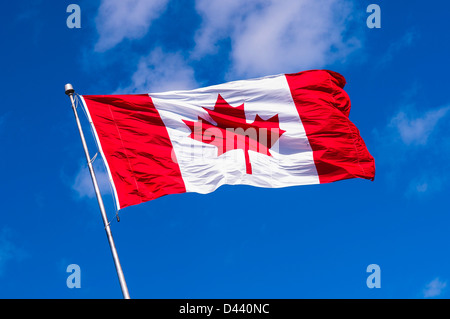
275 131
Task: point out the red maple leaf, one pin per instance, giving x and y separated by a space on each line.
232 131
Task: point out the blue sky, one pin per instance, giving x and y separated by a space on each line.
238 242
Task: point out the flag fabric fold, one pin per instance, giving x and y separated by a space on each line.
275 131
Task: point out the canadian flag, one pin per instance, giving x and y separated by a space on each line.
275 131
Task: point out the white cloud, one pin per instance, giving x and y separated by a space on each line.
219 19
160 71
8 250
421 187
125 19
426 182
83 189
266 37
82 183
416 131
394 48
434 288
412 150
273 36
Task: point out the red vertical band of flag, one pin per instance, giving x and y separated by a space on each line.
137 147
338 149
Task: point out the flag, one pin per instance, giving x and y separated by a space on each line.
275 131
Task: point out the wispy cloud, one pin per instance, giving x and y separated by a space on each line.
269 36
160 71
426 182
417 130
409 129
9 251
125 19
265 37
82 182
396 47
434 288
412 150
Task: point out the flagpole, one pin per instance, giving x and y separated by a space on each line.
70 92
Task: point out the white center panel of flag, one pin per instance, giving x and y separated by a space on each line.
202 167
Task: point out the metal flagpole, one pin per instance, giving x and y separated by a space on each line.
70 91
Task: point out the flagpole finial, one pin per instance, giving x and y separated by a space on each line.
69 89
